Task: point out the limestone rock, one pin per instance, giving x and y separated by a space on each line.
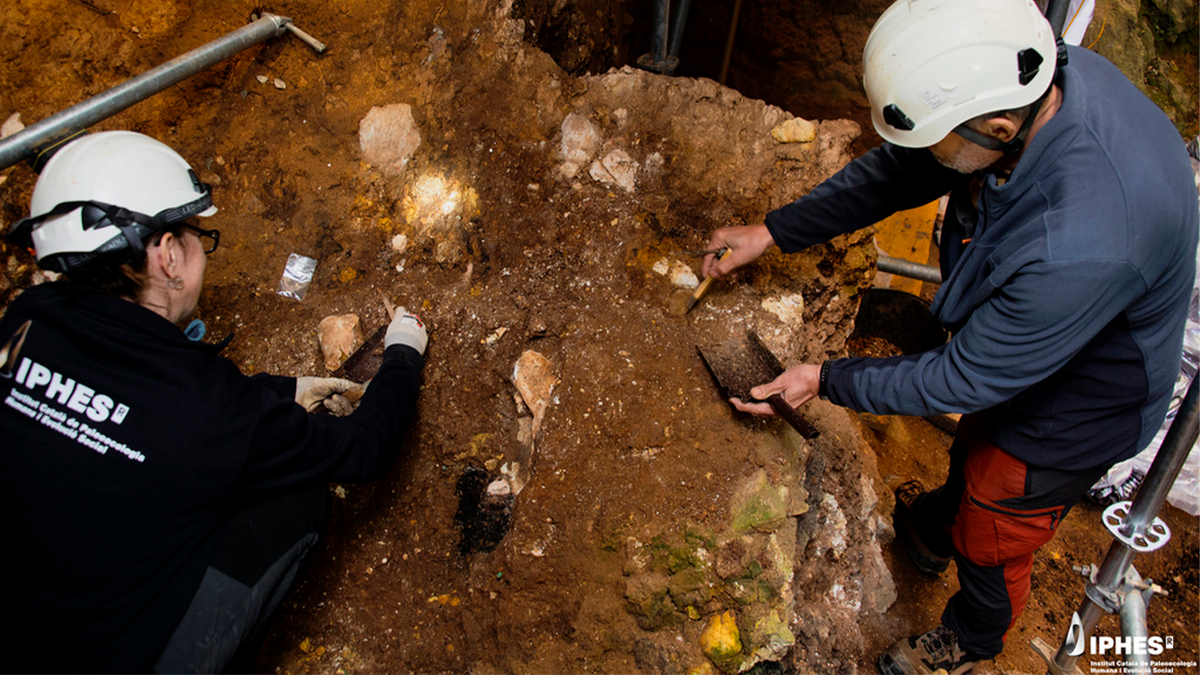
683 276
339 336
11 125
789 308
795 130
533 376
617 168
579 142
388 136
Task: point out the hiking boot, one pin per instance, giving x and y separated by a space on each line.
921 552
925 654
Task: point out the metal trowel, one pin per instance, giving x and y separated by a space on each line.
740 364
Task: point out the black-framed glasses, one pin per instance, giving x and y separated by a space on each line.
208 238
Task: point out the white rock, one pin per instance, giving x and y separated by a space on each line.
400 243
568 169
263 79
617 168
11 125
683 276
388 136
579 140
789 308
662 266
280 84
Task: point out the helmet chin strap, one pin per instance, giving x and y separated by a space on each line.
1017 142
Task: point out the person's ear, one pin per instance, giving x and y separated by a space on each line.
1002 127
168 255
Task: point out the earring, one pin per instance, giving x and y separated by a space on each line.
175 283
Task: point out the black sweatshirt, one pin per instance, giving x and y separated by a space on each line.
125 446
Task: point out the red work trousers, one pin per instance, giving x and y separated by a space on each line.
995 510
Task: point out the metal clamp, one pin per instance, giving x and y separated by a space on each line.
1155 537
1109 601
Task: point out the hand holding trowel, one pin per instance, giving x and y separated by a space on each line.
741 365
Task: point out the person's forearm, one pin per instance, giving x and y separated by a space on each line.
867 190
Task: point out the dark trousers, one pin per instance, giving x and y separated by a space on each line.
259 555
993 513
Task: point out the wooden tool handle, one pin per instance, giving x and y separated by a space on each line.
703 287
792 417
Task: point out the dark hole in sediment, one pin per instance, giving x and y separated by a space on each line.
483 517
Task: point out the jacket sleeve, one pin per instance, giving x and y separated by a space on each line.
1029 328
284 387
292 447
868 189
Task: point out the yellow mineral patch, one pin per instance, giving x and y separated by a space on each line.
720 639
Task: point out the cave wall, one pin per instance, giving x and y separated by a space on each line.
805 56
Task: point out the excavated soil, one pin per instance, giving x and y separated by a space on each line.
503 246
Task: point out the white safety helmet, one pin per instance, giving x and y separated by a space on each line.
99 198
931 65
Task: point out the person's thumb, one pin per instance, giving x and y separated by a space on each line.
764 391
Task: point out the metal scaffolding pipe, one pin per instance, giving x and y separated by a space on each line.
681 14
1166 467
658 39
1111 576
1133 624
908 269
659 60
60 125
733 22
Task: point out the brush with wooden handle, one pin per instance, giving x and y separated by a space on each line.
703 287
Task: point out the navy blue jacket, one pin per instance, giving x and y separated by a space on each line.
125 447
1067 295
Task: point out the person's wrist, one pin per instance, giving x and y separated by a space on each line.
407 329
764 237
823 381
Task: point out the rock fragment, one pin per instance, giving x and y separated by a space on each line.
579 142
617 168
721 642
388 136
789 308
795 130
11 125
339 336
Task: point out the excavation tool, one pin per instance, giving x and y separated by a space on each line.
738 365
681 304
362 364
64 124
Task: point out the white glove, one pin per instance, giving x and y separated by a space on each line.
311 392
406 329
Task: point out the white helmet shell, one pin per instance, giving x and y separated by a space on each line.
120 168
930 65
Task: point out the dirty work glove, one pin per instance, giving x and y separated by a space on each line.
406 329
311 392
